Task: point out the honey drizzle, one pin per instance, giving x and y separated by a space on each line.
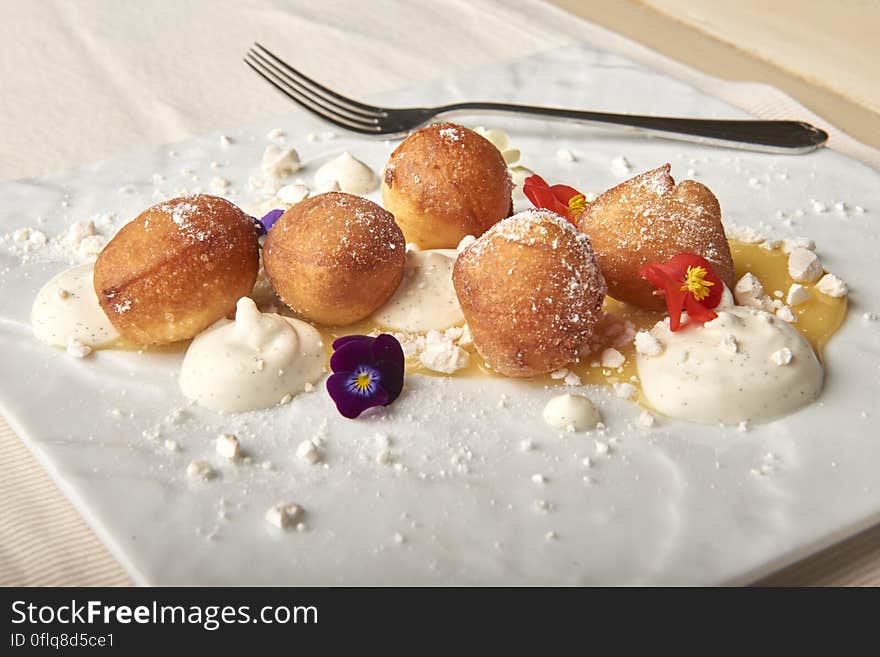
818 319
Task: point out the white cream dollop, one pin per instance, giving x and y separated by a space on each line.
66 311
425 299
571 412
729 370
252 362
352 175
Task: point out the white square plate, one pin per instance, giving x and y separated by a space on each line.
673 504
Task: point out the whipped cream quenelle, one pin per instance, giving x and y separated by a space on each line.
252 362
744 365
425 299
66 310
352 175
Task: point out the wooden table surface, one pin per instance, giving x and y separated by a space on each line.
823 54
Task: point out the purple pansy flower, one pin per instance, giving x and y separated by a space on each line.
367 372
267 221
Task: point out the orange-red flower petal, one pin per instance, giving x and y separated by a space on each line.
671 280
550 197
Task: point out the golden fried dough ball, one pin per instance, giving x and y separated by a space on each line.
177 268
444 182
531 292
335 258
650 219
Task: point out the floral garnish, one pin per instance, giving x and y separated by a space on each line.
367 372
563 200
500 140
267 221
688 283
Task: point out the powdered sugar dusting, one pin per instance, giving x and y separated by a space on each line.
557 306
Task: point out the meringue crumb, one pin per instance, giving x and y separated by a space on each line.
624 390
308 451
647 344
646 419
200 470
284 515
782 356
749 291
227 446
78 348
384 457
292 194
561 373
621 166
612 359
797 294
729 344
832 286
220 184
804 266
784 313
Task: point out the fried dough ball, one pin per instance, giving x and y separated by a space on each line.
177 268
335 258
650 219
445 182
531 292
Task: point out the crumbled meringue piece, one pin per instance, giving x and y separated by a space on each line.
832 286
797 294
279 162
749 291
284 515
647 344
804 266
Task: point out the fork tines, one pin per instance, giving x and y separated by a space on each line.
313 96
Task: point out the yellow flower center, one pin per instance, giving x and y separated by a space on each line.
363 381
695 282
577 204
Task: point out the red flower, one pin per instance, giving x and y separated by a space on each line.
688 283
563 200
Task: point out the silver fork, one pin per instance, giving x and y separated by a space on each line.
768 136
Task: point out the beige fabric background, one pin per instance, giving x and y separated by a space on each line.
89 80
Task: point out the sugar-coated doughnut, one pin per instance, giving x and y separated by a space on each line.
444 182
650 219
177 268
531 292
335 258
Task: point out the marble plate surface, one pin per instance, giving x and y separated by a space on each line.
673 504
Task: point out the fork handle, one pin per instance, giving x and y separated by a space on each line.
767 136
